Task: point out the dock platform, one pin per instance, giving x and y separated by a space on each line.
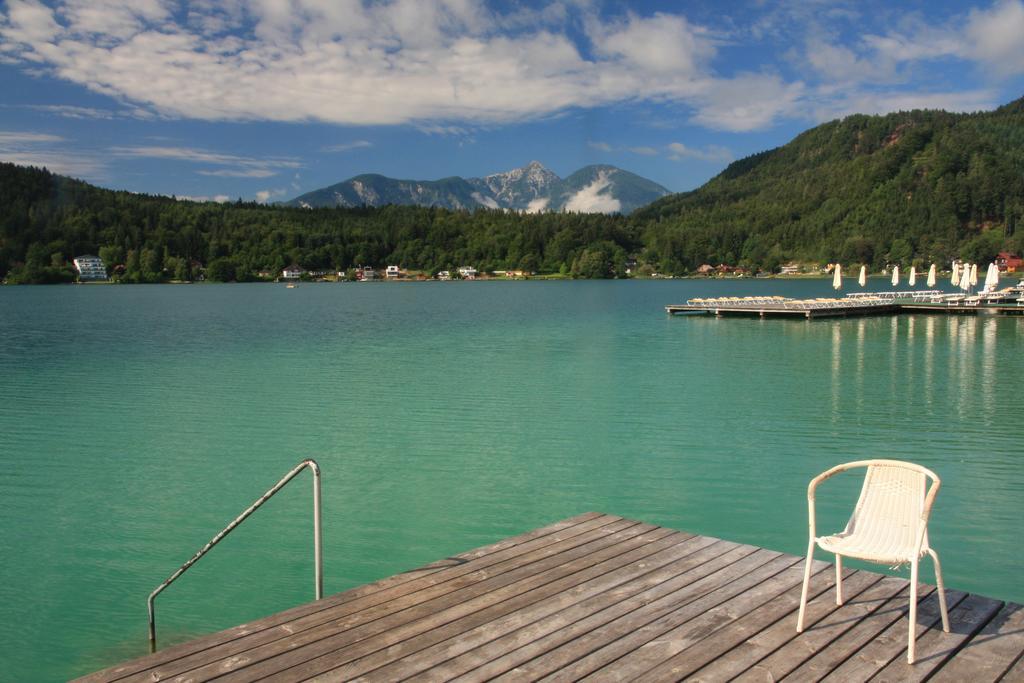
860 304
612 599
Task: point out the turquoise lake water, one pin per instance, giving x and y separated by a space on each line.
136 421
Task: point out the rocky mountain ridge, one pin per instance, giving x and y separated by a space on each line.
531 188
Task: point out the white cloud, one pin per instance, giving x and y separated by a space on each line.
236 166
264 196
347 146
591 200
489 202
70 111
219 198
13 138
47 151
537 205
31 22
747 102
990 38
661 44
599 146
996 37
715 153
239 173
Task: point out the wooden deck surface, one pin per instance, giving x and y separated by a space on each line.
607 599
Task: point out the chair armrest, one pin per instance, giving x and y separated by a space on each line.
811 487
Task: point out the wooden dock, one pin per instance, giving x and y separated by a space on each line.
607 598
853 305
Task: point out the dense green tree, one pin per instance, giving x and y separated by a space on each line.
221 270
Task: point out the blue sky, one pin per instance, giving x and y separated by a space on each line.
267 99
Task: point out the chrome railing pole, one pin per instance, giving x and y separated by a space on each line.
318 557
317 540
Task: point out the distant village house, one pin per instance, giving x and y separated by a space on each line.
392 273
468 272
1008 263
292 272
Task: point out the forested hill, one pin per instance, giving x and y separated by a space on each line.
922 186
46 220
926 185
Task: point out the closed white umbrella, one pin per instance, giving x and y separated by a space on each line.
931 276
974 274
912 280
862 279
955 279
991 278
837 277
965 278
895 275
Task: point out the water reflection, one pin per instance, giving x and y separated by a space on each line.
988 364
837 365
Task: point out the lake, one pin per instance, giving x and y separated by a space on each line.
137 421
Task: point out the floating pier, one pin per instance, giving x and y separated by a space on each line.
602 596
1005 302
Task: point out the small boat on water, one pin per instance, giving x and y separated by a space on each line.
291 285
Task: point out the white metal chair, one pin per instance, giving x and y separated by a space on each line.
889 526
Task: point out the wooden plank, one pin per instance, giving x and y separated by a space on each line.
424 651
934 646
874 641
864 662
605 645
782 607
443 624
816 637
473 593
1016 672
990 654
762 644
378 603
562 629
524 644
635 664
445 568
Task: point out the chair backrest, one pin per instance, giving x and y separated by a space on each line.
895 492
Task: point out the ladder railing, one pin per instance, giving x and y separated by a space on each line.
317 553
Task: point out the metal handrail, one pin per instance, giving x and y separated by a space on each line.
317 554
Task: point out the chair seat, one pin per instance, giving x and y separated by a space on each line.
891 546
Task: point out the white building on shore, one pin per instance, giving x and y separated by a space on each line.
90 268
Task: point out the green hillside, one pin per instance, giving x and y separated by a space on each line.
919 185
913 187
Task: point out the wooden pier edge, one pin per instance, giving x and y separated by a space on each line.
607 597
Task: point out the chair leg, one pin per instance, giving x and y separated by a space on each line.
942 590
913 611
839 579
803 591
